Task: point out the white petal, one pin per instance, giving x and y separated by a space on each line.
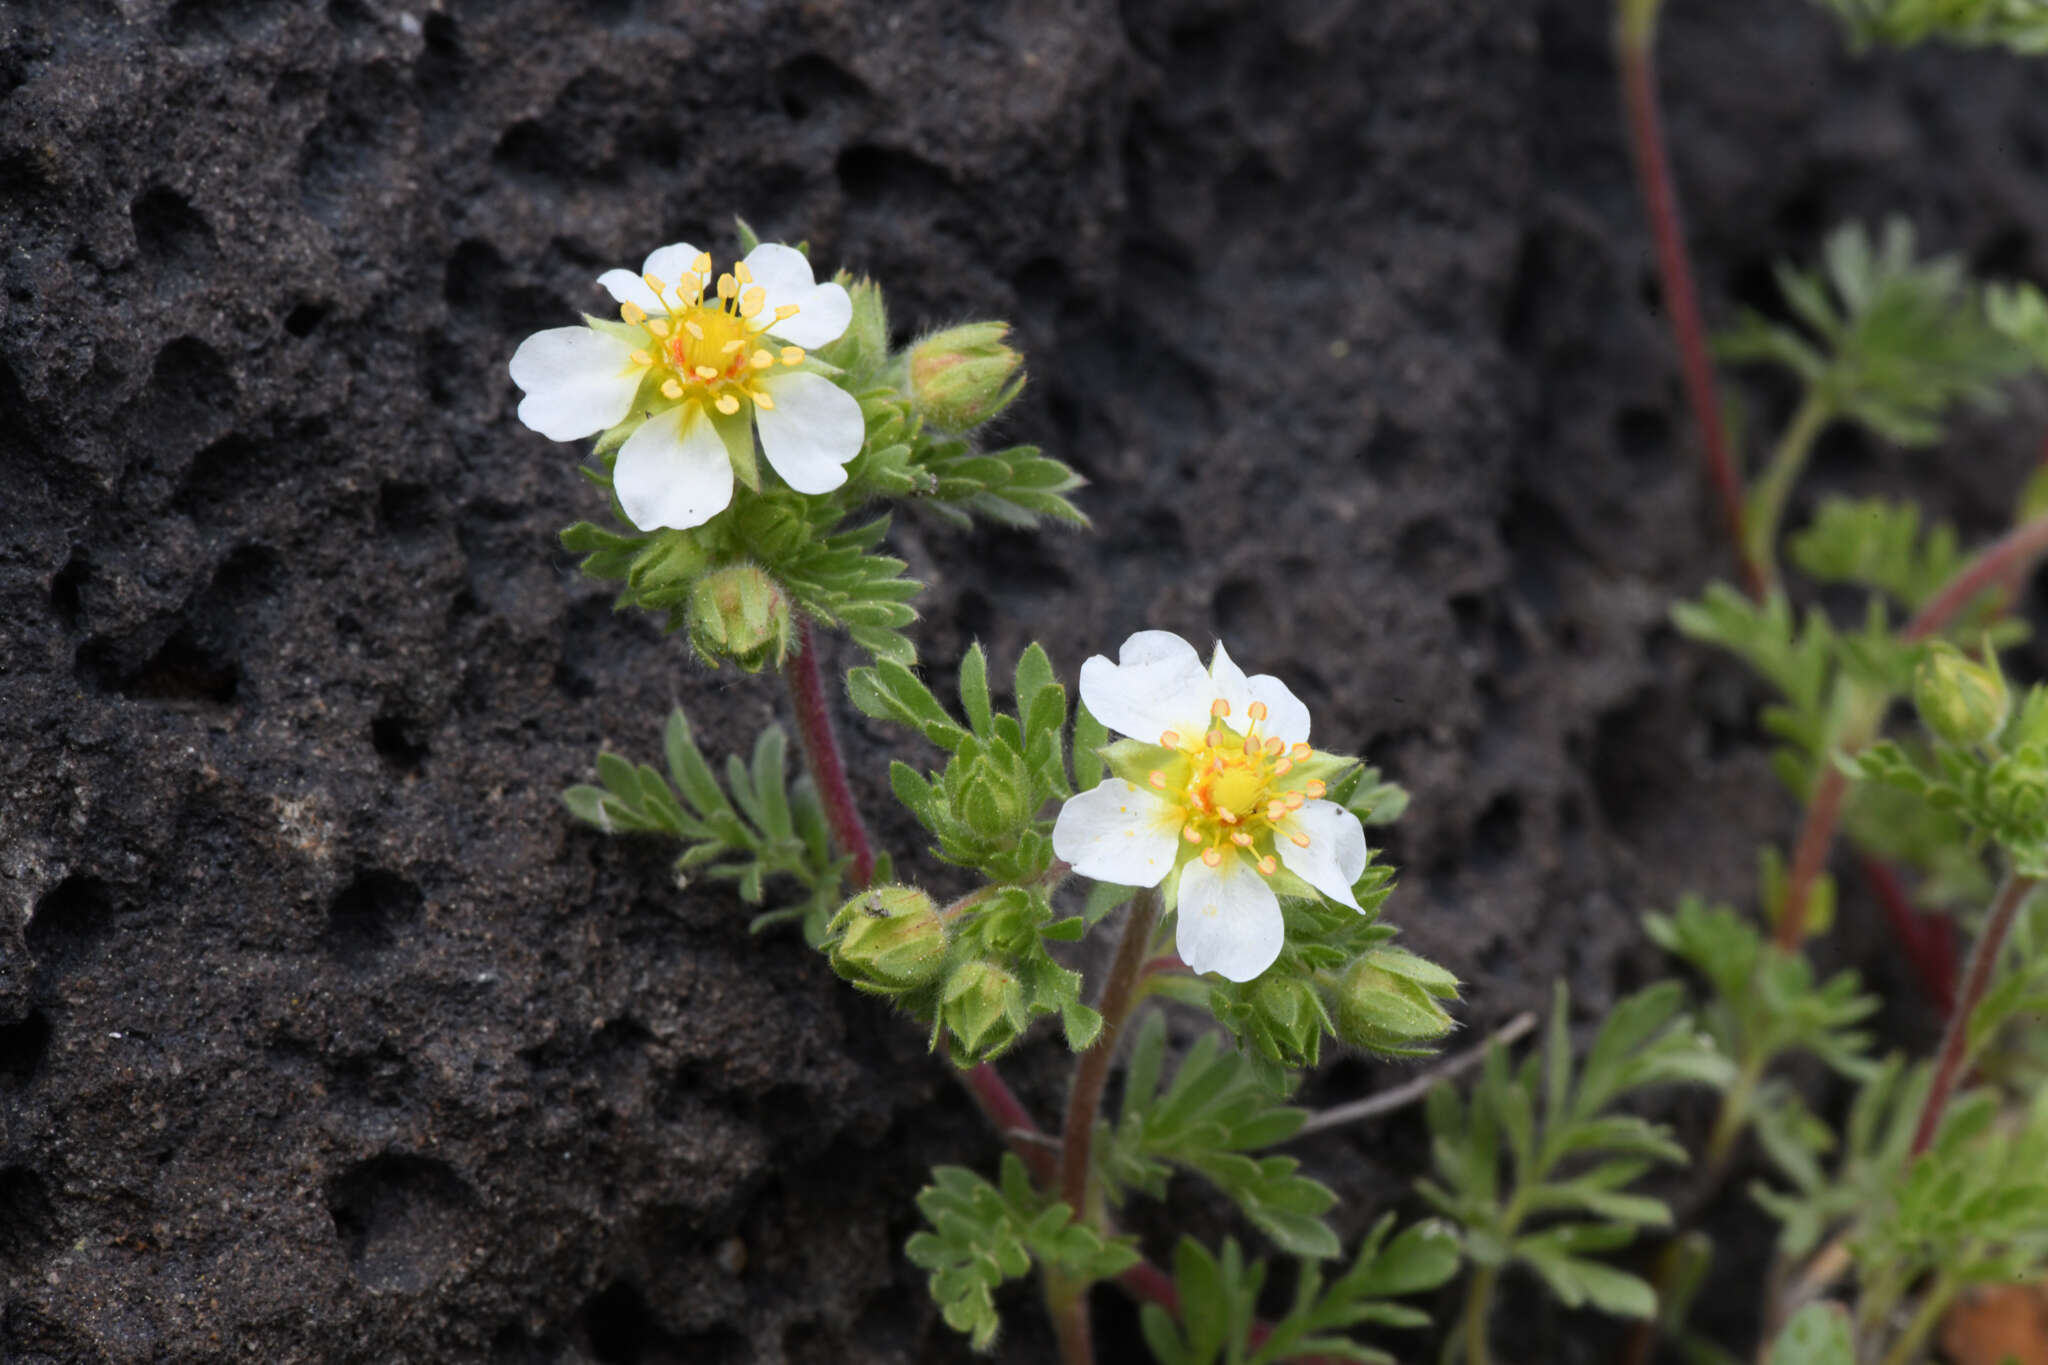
673 471
1116 831
814 428
784 273
1286 716
1335 856
627 287
670 263
1157 684
1230 920
577 381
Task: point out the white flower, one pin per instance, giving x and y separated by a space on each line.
1218 805
713 365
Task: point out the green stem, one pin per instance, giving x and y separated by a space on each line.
1773 488
1932 1306
1733 1119
1478 1309
1067 1304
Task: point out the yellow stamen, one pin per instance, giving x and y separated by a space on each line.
1268 866
658 326
1316 788
728 404
727 286
633 313
1274 746
1219 708
1169 739
694 330
1241 839
1294 800
761 399
746 276
1214 739
1227 817
1157 779
1276 809
706 372
671 389
1257 710
1298 840
752 301
731 346
1212 857
642 359
1283 767
761 360
785 311
656 285
1300 751
702 265
1191 834
792 355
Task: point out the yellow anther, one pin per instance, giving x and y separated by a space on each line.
1315 787
1257 710
739 268
1294 800
1219 708
1268 865
728 404
784 311
1283 767
1214 739
633 313
656 285
1212 857
1274 745
761 399
702 265
706 372
1191 834
1241 839
1227 817
752 301
1300 751
1298 840
671 389
694 330
1276 809
1250 746
1157 779
1169 739
792 355
760 360
642 359
727 286
731 346
658 326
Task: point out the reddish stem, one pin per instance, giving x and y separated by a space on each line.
1929 940
821 755
2006 561
1119 994
1674 269
1948 1063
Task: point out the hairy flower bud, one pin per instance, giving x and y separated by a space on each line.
1387 1013
742 614
888 939
965 375
984 1006
1962 701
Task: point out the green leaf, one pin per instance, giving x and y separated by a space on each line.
974 690
2019 25
1817 1335
1579 1282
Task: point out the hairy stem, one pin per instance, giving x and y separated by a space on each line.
1773 487
1067 1303
1478 1309
821 755
1119 994
1948 1063
1733 1119
2005 561
1008 1116
1635 43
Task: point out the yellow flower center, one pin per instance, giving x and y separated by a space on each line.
708 345
1233 793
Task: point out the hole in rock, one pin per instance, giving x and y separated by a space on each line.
392 737
367 913
28 1220
402 1219
68 918
22 1048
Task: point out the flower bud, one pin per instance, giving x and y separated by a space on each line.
888 939
1286 1019
965 375
1961 701
984 1006
1387 1013
740 613
991 794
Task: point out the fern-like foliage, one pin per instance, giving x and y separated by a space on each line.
1219 1295
1888 340
981 1234
1879 544
1570 1160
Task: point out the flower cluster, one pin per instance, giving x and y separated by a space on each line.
1217 794
711 363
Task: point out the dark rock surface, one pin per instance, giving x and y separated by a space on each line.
326 1035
